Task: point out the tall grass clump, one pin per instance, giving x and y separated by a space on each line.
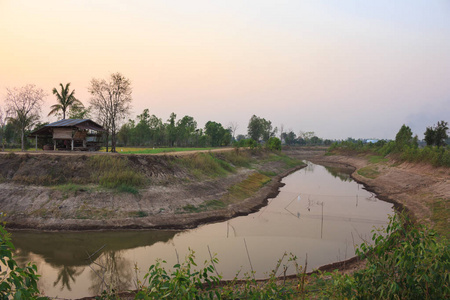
205 164
239 158
114 172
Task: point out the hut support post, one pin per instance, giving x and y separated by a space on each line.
36 142
54 145
71 145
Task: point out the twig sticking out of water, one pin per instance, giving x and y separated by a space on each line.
178 258
248 255
212 261
102 278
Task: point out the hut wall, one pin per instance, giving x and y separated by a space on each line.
62 134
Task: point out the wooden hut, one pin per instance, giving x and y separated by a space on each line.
71 134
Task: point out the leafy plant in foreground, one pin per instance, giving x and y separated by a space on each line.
183 283
16 282
405 262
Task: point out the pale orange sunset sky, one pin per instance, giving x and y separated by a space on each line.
339 68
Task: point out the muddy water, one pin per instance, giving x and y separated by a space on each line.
319 215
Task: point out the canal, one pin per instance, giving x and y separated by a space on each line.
320 214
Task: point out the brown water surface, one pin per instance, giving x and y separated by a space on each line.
319 213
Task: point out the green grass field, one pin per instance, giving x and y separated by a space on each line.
135 150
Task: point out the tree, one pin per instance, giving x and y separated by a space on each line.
305 137
65 100
260 128
185 129
430 136
142 128
24 106
437 135
288 137
172 129
111 101
79 112
3 121
233 127
404 138
218 135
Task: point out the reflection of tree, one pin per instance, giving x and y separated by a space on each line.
339 173
110 271
65 275
309 167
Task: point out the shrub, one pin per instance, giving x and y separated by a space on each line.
183 283
405 262
273 144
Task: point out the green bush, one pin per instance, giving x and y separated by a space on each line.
405 262
273 144
183 283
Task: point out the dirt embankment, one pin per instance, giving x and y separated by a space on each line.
421 189
62 192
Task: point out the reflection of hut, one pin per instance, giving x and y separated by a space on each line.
71 134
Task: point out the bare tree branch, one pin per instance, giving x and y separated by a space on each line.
111 102
24 106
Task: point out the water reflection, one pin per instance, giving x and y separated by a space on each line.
316 214
341 173
113 270
81 248
65 275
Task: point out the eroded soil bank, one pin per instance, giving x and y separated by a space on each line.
421 189
62 192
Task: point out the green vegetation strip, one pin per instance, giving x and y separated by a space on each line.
440 211
369 172
130 150
246 188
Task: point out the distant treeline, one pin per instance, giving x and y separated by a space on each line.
436 150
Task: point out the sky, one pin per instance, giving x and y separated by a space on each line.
342 69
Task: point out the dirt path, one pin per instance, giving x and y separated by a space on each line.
90 153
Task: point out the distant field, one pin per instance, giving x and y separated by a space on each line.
131 150
18 149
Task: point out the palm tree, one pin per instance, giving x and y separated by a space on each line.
65 100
